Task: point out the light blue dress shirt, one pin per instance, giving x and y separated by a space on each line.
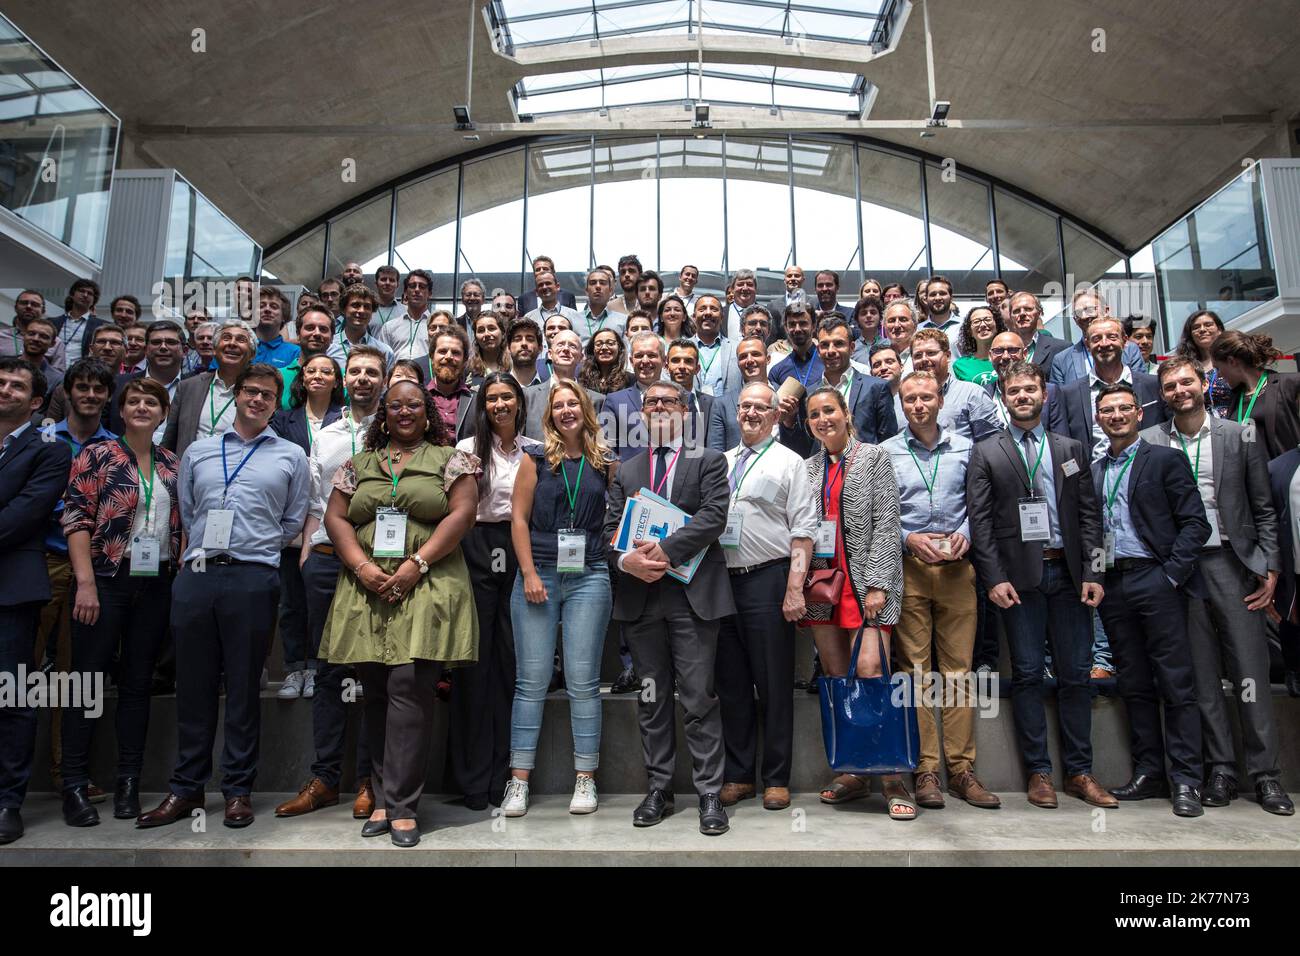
1117 519
269 496
1046 476
945 511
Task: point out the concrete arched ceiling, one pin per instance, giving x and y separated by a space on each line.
386 64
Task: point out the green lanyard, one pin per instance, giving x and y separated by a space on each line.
1196 469
148 485
934 474
716 350
572 493
846 383
352 428
1113 493
1259 387
383 319
214 416
415 330
311 436
603 316
1042 447
395 476
748 468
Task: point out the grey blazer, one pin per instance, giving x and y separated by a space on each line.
700 489
183 416
535 397
1241 492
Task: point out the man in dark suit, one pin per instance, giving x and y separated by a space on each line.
794 291
683 364
164 358
1040 347
623 425
205 404
827 287
1074 363
33 476
1155 527
672 628
75 328
751 358
528 301
1008 347
1239 566
1282 473
1035 532
1106 349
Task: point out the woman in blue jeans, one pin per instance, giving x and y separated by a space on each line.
558 511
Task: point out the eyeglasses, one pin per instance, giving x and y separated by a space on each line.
265 394
1006 350
1114 410
759 407
396 408
667 401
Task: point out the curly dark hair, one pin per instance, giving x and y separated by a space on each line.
966 339
610 380
435 433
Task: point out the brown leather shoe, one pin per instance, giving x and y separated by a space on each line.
928 792
1041 792
311 797
967 786
239 812
364 804
733 793
776 798
173 808
1086 788
95 794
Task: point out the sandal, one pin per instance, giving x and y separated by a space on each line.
901 804
846 787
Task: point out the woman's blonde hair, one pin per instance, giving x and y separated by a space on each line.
594 448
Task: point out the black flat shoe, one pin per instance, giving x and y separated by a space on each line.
713 818
656 805
1187 801
1143 786
374 828
1273 798
404 838
1219 792
625 683
1293 683
78 811
11 825
126 798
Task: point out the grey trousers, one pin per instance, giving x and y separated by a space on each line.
669 642
1229 641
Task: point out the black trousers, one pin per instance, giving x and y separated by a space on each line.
1146 621
986 629
294 629
756 653
221 617
329 711
482 693
18 624
399 718
133 614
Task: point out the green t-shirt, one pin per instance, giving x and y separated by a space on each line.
968 368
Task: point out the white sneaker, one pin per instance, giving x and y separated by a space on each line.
309 684
515 801
584 795
291 689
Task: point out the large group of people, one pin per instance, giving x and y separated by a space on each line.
427 503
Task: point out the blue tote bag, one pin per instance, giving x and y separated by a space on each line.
869 723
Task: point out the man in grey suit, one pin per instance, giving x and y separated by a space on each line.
1239 567
1035 537
1078 398
205 404
566 349
672 628
724 427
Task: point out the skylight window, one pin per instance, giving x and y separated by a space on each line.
523 24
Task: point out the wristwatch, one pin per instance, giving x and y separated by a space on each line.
420 562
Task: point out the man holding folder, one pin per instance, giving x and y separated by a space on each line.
671 627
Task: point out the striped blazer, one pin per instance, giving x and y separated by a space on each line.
872 534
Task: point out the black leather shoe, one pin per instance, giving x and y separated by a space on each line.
1293 683
1143 786
1187 801
1273 798
374 828
404 838
476 801
126 798
1219 792
656 805
713 819
625 683
11 825
77 808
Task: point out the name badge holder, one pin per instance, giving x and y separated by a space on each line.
1035 522
730 537
390 533
219 521
827 529
572 551
1108 518
144 558
943 546
1108 548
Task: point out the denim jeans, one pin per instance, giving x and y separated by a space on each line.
582 602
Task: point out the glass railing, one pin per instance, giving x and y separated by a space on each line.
57 147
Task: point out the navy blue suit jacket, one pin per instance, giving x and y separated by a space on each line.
1167 511
1077 409
871 407
1281 471
33 476
291 424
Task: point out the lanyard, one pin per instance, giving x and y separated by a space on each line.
1042 447
383 319
1259 387
148 485
1114 489
717 350
748 468
1029 352
67 339
415 330
663 479
828 482
934 474
347 345
214 416
599 325
394 476
1196 469
311 436
225 464
352 429
846 382
807 369
572 493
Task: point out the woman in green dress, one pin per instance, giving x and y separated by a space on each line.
977 332
404 605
